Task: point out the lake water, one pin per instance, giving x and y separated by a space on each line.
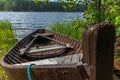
26 22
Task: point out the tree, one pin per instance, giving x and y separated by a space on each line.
97 10
9 4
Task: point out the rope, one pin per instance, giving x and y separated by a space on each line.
29 71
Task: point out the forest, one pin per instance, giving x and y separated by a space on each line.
30 5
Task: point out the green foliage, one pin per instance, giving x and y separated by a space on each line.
36 5
71 4
72 29
91 14
109 11
7 39
67 5
5 30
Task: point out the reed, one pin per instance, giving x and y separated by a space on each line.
7 39
72 29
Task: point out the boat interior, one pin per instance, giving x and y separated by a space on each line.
43 44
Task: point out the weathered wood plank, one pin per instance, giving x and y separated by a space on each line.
45 48
76 58
98 49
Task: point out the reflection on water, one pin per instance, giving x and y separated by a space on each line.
25 22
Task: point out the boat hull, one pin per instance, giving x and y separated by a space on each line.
43 72
47 72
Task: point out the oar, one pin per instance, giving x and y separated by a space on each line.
22 51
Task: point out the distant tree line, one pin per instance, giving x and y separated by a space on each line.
29 5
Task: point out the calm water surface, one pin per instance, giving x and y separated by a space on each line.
25 22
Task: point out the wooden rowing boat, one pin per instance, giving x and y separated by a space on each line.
47 55
39 47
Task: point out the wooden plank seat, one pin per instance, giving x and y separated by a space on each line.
71 59
45 48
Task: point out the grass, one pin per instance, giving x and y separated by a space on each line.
72 29
7 39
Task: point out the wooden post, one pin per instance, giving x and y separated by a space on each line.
98 50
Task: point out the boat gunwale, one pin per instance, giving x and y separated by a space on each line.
68 65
